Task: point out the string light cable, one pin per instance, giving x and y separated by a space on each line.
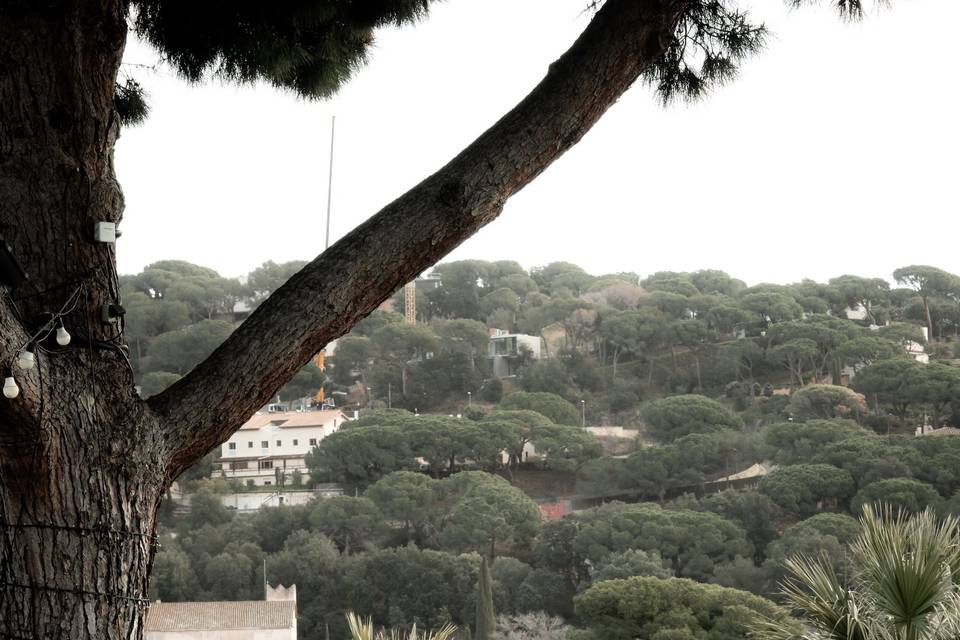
25 355
24 358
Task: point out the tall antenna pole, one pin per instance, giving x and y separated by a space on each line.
333 126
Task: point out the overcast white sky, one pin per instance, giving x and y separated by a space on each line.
835 152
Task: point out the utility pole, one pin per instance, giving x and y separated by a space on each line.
333 125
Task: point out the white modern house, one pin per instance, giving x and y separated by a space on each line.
506 349
913 349
275 443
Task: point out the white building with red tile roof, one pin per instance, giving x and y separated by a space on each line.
274 444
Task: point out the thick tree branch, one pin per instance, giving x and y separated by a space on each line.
349 280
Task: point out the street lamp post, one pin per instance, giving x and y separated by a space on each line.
583 414
469 398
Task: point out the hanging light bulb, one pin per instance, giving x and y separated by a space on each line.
63 338
26 359
10 388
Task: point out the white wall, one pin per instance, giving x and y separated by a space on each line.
272 434
253 501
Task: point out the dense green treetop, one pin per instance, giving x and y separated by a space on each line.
673 608
270 276
629 563
353 523
801 489
691 543
484 513
406 497
676 416
926 280
869 459
795 442
755 512
684 464
770 306
550 405
868 349
842 527
826 401
407 584
870 294
824 534
906 494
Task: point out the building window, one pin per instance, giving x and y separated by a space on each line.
295 442
266 464
250 483
313 442
238 465
264 444
279 443
232 446
249 445
267 483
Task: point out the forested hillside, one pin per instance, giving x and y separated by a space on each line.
819 387
612 341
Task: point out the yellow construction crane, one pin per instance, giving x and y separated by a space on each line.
318 360
410 303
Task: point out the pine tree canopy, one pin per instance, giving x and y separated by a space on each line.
313 47
310 46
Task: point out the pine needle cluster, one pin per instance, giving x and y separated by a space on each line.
130 102
712 39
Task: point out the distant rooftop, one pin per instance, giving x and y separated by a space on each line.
221 616
288 419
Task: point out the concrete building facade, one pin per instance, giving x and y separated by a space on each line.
270 448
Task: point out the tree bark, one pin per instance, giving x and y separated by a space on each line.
81 457
83 461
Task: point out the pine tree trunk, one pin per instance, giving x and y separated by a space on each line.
77 521
79 478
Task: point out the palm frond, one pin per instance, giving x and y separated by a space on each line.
813 588
905 565
364 630
905 584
